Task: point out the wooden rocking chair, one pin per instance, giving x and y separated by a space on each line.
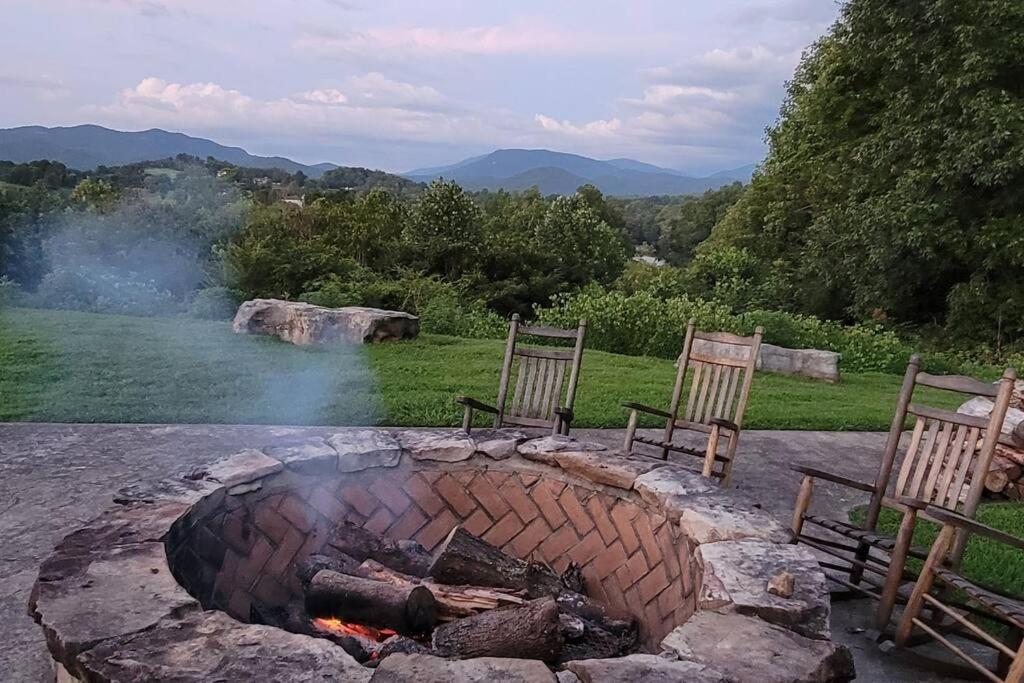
723 370
537 399
936 470
1005 610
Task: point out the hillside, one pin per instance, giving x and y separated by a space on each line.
561 173
86 147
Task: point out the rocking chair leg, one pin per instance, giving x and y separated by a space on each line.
894 576
627 445
467 419
712 451
803 501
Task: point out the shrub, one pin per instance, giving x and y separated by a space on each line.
100 290
214 303
10 293
645 325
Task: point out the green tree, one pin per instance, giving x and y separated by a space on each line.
892 183
693 221
445 230
97 195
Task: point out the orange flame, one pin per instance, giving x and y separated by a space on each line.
343 628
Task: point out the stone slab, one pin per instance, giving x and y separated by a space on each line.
365 448
82 600
750 649
418 668
707 519
671 488
609 468
543 449
211 646
446 446
737 575
243 467
498 444
643 669
308 456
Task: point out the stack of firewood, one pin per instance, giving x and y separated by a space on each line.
1005 476
374 597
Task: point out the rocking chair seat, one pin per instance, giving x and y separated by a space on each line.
875 539
676 447
1003 605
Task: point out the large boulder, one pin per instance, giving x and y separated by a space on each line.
419 668
812 363
305 324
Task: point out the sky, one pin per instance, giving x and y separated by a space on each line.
399 84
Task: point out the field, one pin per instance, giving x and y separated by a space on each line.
61 366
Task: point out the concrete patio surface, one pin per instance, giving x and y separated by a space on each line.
55 477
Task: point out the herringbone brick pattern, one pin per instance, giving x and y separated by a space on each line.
633 561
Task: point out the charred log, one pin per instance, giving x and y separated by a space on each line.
467 560
408 557
406 609
529 631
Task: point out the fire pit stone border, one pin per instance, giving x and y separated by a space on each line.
111 609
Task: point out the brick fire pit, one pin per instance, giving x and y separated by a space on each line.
164 584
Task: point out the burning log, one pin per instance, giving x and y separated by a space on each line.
405 609
408 557
465 559
453 602
529 631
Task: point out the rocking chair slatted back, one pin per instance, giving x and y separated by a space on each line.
945 447
722 367
545 378
937 466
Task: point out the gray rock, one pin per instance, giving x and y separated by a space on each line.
444 446
671 488
81 600
362 449
611 469
812 363
305 324
736 577
643 669
707 519
243 467
543 449
211 646
309 456
749 649
566 676
403 668
498 444
980 406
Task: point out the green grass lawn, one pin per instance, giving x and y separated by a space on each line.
82 367
985 561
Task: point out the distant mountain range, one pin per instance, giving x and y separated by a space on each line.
86 147
561 173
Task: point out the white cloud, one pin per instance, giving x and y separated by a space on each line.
370 106
600 128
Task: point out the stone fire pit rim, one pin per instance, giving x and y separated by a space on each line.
108 585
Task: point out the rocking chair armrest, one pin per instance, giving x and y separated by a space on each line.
565 413
912 503
647 409
966 523
725 424
834 478
475 404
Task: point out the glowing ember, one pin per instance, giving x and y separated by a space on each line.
343 628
